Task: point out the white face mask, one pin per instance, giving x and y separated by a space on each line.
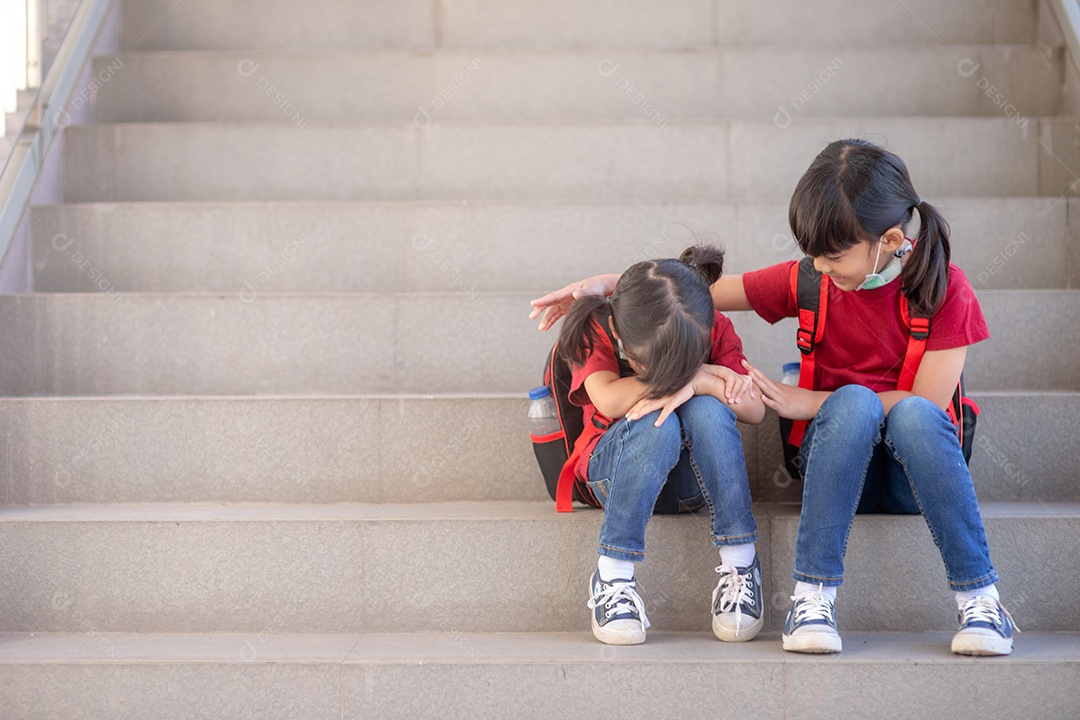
890 272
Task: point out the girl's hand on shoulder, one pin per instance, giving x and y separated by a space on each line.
793 403
556 304
666 405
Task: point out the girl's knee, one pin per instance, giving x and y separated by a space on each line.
855 401
911 417
644 429
702 410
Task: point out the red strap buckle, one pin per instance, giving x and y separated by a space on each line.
805 340
920 327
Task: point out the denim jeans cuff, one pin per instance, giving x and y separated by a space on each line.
620 554
974 584
744 539
816 580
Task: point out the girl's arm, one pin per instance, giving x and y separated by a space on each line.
555 304
731 388
728 293
612 395
936 379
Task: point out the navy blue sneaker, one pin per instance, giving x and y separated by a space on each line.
618 613
737 604
986 628
811 624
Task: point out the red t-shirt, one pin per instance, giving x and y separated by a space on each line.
865 336
726 350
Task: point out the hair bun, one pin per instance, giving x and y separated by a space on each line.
706 260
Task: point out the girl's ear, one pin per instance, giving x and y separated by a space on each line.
892 239
611 326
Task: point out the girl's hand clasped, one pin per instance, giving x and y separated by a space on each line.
793 403
735 388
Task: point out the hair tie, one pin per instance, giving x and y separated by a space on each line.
607 299
692 264
918 202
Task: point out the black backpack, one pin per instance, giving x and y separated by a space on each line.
558 453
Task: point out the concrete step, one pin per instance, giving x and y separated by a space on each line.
420 86
205 24
254 343
391 449
1002 243
716 160
274 675
247 568
407 449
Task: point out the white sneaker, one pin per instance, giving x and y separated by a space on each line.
986 628
618 613
737 604
811 624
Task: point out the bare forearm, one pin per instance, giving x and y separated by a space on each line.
615 397
748 410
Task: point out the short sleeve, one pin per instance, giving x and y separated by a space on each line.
727 349
959 321
601 358
769 292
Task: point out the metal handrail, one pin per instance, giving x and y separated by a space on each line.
1068 17
47 117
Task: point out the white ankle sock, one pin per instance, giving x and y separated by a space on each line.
612 569
829 592
739 556
988 591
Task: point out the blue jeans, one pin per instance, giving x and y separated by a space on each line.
697 453
918 469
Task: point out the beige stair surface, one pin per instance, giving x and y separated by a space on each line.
456 245
198 567
262 438
452 674
684 160
659 85
330 449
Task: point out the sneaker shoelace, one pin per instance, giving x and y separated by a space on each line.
984 609
620 597
733 589
812 605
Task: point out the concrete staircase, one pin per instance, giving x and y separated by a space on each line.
263 419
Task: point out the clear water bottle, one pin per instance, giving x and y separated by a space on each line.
791 374
543 417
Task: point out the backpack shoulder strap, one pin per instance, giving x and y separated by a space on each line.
918 326
811 292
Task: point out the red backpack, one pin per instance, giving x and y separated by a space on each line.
811 291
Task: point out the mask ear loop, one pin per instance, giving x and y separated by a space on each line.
873 280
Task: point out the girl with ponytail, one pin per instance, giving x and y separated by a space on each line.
868 446
669 342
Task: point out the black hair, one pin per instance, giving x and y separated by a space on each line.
854 191
662 311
